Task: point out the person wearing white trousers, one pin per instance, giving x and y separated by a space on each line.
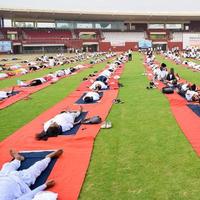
15 185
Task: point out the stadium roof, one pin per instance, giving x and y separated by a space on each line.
29 14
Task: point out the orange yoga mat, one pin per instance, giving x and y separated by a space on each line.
187 120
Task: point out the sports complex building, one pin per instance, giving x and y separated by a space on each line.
30 31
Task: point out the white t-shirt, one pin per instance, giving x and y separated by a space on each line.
94 95
162 75
60 73
184 87
3 95
189 94
3 75
51 62
65 120
106 73
103 85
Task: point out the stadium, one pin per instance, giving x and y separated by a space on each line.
99 100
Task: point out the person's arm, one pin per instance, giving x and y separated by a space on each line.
30 195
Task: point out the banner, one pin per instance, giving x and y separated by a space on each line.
145 44
5 46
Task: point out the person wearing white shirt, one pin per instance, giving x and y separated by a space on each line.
15 185
3 95
90 97
191 95
98 85
60 123
51 62
3 75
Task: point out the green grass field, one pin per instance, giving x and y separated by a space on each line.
145 156
20 113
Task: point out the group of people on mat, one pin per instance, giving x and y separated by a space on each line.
66 120
191 52
188 53
173 55
51 77
191 64
102 81
172 80
14 183
43 62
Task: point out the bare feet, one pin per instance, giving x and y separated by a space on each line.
55 154
16 155
50 184
81 109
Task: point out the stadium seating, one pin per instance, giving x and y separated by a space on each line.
46 35
177 37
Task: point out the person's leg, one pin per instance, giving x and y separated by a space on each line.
76 114
30 175
13 165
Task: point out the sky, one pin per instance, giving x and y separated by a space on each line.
106 5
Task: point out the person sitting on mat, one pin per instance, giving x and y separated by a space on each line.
171 78
59 124
98 85
90 97
162 73
15 185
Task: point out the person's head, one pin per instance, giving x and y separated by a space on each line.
98 87
193 87
163 65
172 71
53 131
88 99
195 98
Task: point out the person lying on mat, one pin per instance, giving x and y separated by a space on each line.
15 185
192 94
102 78
35 82
59 124
98 85
5 95
107 73
90 97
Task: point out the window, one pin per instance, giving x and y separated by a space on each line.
173 26
7 23
45 25
103 25
84 25
24 24
156 26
